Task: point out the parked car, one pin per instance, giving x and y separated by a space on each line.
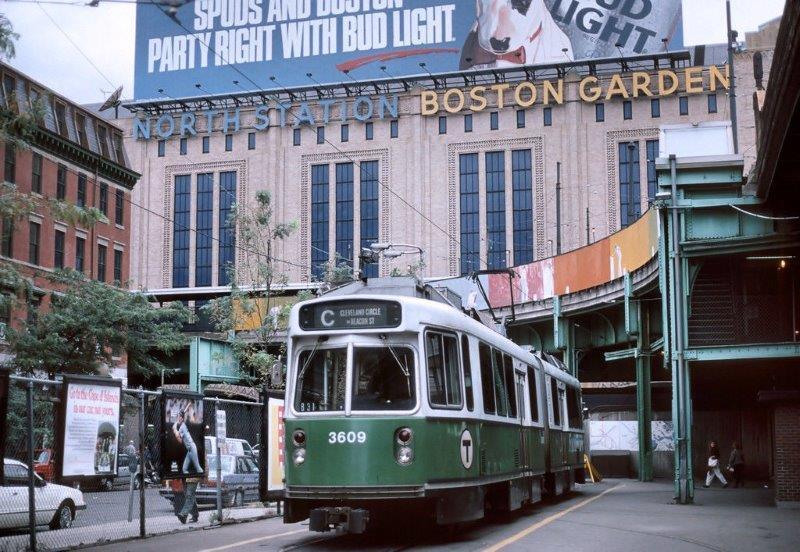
123 477
56 505
239 482
44 465
234 446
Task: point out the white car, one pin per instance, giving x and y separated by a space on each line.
56 505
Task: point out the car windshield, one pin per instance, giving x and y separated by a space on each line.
383 378
321 380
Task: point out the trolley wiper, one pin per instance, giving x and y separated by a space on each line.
403 367
307 363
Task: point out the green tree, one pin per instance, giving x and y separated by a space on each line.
256 279
7 39
89 321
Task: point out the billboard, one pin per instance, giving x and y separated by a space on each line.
226 46
90 441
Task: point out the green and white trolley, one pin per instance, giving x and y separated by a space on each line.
400 405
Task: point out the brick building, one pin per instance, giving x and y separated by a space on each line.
75 157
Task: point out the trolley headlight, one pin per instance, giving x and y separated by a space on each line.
299 438
405 455
299 456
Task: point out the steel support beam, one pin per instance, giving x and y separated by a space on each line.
644 412
676 302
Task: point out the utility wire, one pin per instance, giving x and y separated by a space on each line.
54 22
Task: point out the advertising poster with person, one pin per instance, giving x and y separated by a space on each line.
182 443
231 45
90 439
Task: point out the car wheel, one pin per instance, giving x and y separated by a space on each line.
64 517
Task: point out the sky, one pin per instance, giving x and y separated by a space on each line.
106 36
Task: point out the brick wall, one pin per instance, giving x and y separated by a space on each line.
787 454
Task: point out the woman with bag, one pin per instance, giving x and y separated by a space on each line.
713 466
736 465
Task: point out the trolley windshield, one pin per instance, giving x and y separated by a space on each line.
321 380
383 379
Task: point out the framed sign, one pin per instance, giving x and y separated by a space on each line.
275 448
89 435
271 471
183 451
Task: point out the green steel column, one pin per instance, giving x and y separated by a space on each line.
681 394
643 397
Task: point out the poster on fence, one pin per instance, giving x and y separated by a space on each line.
275 466
182 443
90 434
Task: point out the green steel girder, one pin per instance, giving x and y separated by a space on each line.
631 307
624 354
743 352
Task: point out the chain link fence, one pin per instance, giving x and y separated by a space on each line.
136 502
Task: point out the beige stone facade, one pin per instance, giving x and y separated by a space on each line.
419 172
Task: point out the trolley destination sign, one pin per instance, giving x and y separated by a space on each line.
350 315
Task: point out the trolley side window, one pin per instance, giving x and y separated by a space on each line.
383 378
487 382
499 383
321 381
533 393
444 373
574 408
467 372
511 386
555 402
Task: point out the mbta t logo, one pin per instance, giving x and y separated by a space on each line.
467 449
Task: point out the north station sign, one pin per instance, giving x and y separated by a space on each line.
524 94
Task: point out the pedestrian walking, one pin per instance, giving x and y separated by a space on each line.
713 466
736 464
189 501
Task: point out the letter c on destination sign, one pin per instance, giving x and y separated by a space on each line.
327 318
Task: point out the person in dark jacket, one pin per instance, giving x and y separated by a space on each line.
736 464
713 466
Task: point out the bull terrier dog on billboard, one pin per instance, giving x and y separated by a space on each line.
514 32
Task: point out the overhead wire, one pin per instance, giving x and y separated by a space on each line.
63 32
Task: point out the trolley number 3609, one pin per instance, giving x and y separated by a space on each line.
347 437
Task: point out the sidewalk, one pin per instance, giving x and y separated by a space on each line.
78 537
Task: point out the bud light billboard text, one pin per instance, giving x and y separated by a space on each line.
226 46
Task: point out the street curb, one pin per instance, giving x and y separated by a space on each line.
186 529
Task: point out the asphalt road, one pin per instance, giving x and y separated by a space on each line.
613 515
105 507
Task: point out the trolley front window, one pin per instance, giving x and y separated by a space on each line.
383 378
321 380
